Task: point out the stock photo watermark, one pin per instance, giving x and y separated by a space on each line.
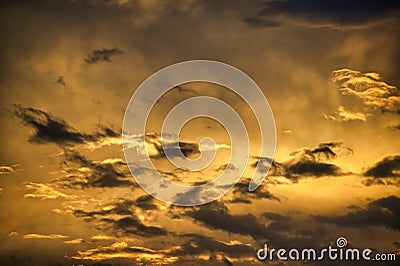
153 88
338 253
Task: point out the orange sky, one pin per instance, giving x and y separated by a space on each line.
69 69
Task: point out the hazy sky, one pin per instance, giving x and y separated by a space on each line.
329 69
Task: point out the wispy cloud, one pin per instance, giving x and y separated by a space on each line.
37 236
125 251
45 191
9 169
74 241
376 95
102 55
344 115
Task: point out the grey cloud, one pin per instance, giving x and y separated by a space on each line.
102 55
52 129
380 212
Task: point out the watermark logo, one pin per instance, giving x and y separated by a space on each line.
340 252
153 88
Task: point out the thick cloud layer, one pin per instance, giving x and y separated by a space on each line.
340 13
380 212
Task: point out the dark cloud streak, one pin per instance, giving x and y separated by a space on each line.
52 129
336 12
102 55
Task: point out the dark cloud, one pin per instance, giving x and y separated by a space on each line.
395 127
241 193
123 207
102 55
380 212
52 129
171 148
261 21
275 216
183 89
306 168
336 12
385 168
126 221
216 215
88 173
47 127
309 162
61 81
384 172
133 226
146 202
324 151
277 229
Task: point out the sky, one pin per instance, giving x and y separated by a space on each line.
329 70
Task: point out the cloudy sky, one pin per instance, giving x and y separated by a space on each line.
329 69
